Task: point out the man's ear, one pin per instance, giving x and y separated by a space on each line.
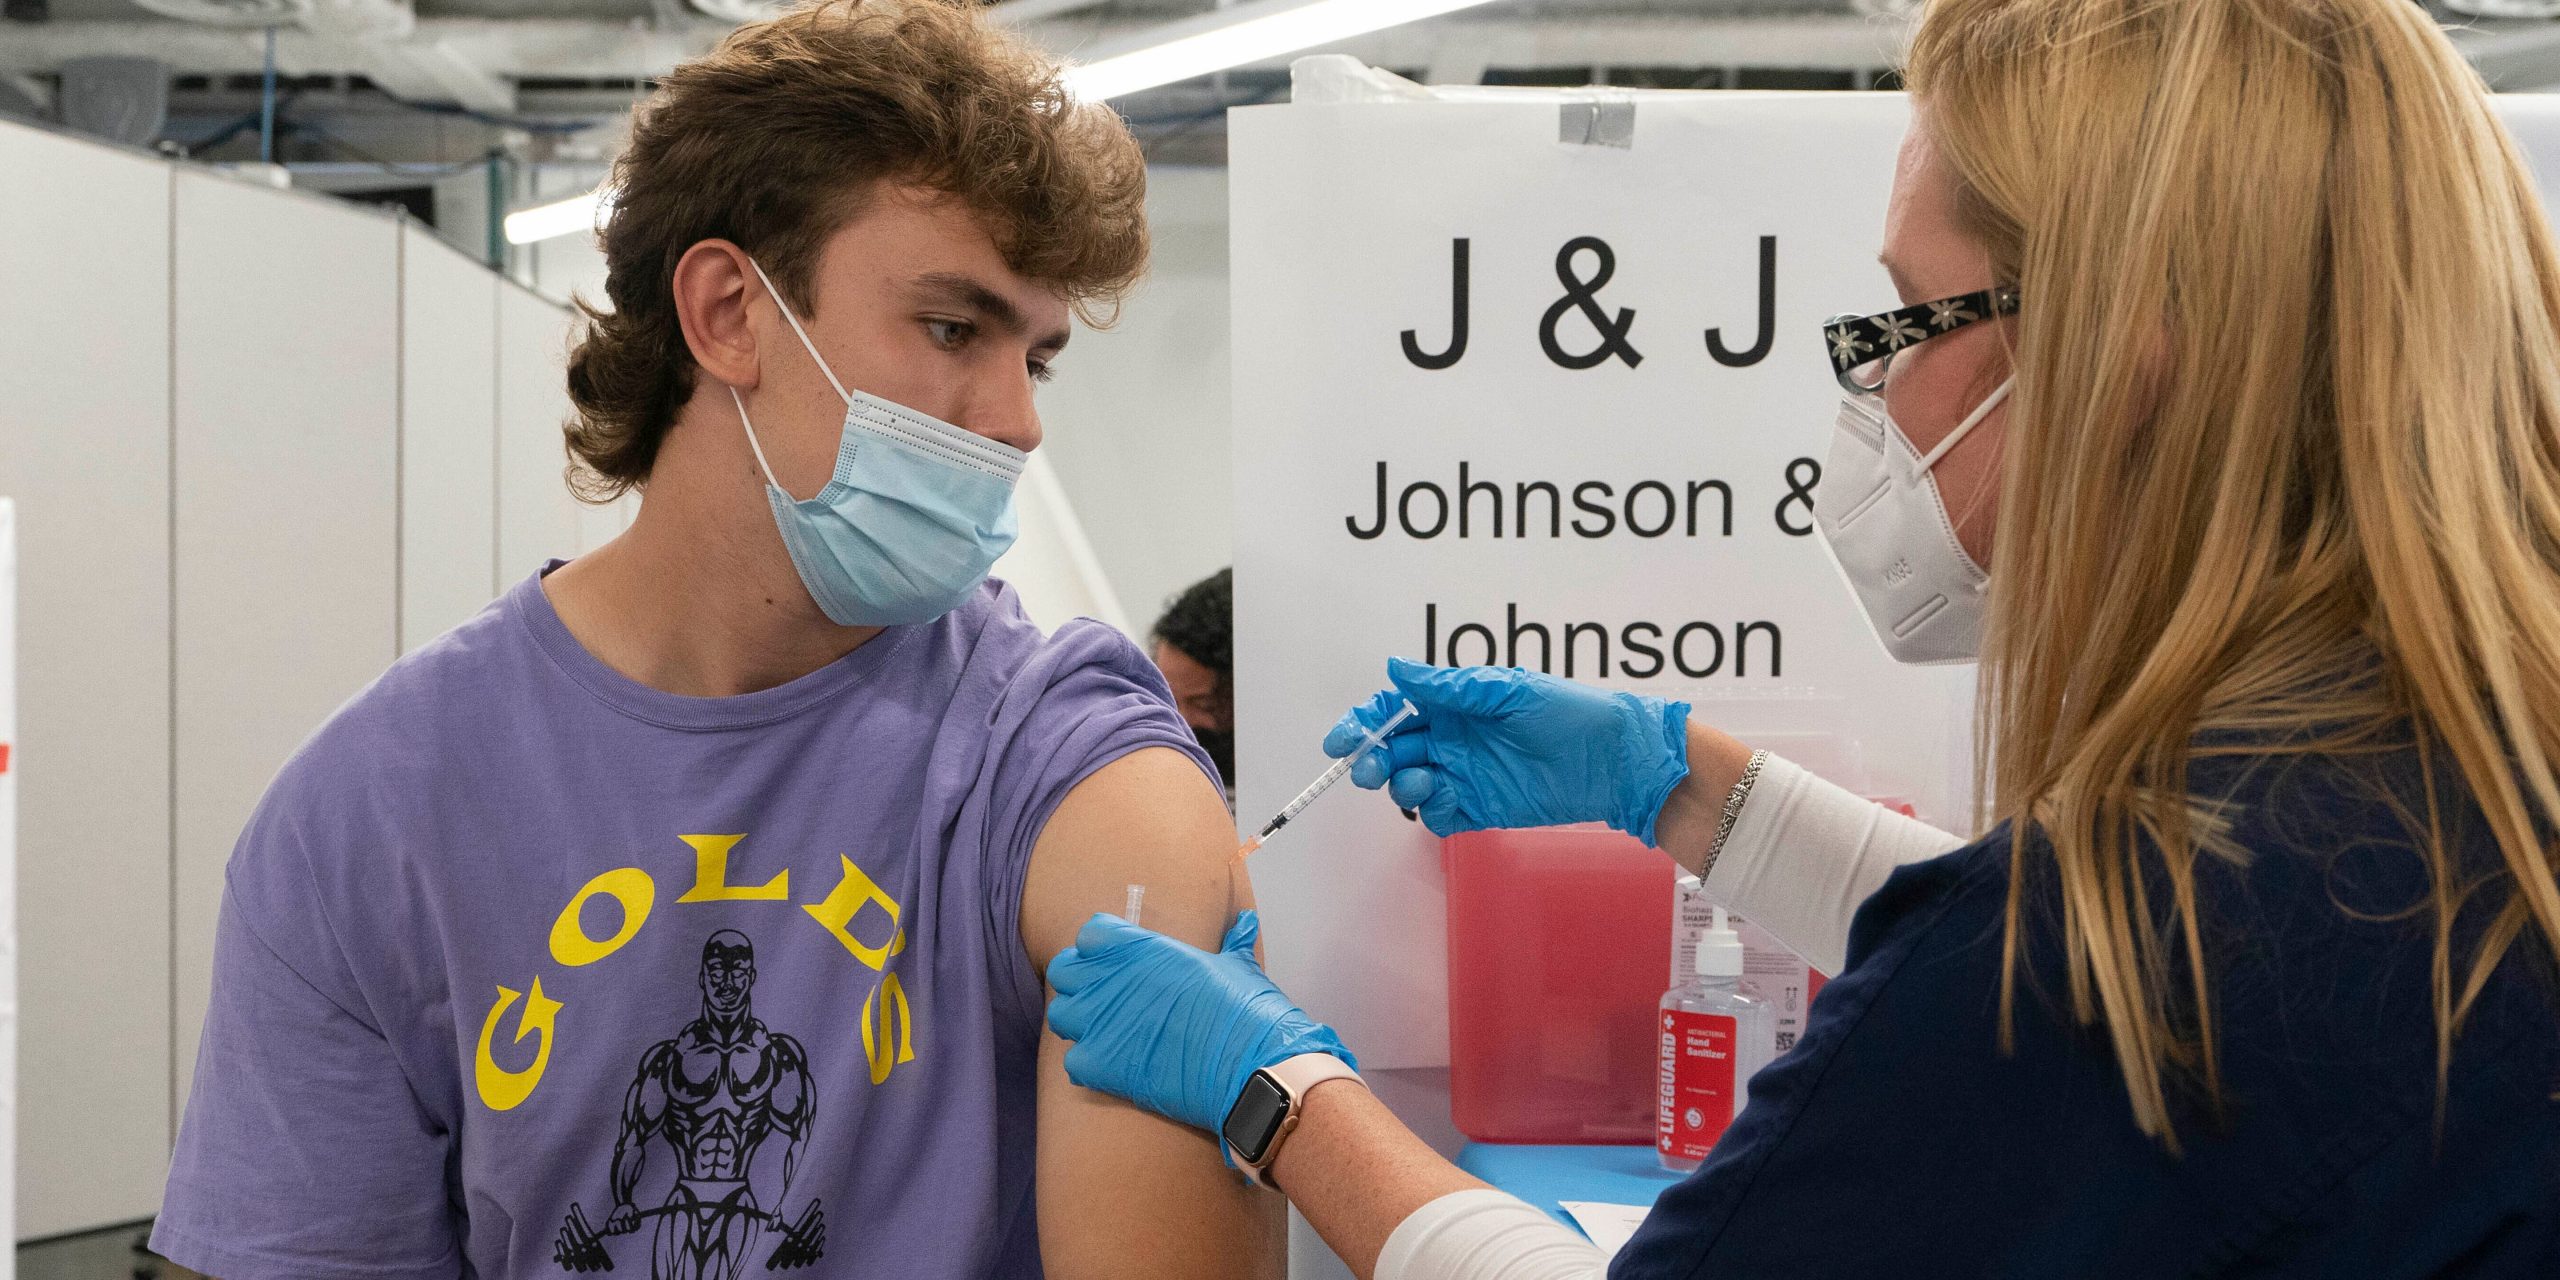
715 287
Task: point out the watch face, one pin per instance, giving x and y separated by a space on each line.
1255 1117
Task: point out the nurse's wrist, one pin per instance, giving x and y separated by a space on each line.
1321 1107
1356 1172
1656 754
1690 815
1306 1036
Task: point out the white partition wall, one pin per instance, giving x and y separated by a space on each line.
84 450
287 492
537 519
1137 421
448 436
255 441
8 866
1052 566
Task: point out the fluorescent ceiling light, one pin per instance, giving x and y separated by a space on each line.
1233 37
560 218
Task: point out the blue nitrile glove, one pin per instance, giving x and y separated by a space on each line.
1503 747
1173 1028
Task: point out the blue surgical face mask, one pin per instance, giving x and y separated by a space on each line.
915 515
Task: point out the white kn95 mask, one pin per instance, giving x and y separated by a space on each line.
1889 534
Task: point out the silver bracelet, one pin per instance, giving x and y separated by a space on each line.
1732 810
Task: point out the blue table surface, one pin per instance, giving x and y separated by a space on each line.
1544 1175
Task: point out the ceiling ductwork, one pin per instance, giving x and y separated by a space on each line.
1016 13
126 99
361 19
18 103
230 13
1009 12
378 39
741 10
389 19
2536 9
483 66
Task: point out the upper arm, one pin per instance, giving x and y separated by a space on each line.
1121 1192
304 1150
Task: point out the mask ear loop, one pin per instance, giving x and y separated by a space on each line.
803 333
1964 428
811 347
751 443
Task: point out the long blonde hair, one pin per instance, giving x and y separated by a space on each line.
2283 464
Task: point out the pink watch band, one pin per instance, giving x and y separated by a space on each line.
1296 1077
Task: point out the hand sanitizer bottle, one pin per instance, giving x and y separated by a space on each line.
1715 1031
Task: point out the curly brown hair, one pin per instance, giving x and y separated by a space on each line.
777 138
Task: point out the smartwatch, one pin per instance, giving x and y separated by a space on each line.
1267 1111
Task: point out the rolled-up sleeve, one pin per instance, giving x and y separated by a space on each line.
1804 855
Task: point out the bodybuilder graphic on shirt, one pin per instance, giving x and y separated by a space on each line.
714 1093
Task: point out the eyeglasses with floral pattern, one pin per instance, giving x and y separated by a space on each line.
1863 347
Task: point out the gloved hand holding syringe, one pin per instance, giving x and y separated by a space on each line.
1324 781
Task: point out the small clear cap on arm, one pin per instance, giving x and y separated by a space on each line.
1137 901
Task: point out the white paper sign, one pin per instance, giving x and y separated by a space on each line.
1599 464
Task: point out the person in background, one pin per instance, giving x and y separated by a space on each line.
1195 648
2219 416
683 914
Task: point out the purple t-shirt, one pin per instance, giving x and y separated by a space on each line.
525 969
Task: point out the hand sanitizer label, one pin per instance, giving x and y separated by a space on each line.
1697 1083
1780 974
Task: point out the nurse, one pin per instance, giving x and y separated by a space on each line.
2221 419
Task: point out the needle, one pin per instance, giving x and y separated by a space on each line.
1324 782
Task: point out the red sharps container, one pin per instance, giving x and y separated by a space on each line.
1556 940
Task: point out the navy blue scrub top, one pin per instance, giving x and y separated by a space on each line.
1898 1140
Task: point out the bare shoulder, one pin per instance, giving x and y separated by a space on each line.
1151 818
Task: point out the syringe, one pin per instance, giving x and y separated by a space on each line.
1324 781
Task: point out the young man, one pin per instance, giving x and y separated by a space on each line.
683 915
1195 648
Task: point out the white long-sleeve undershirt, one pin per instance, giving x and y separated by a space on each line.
1802 856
